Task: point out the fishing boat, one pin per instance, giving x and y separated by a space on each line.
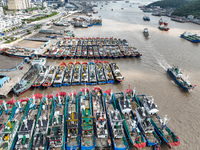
146 18
164 132
76 79
27 80
115 123
90 52
116 72
130 125
144 123
25 131
84 52
66 52
160 22
72 51
68 74
72 132
50 76
59 53
56 135
96 52
19 52
102 52
59 75
78 52
134 52
107 52
102 134
42 76
84 73
100 72
146 32
41 128
9 125
92 78
181 80
191 37
165 23
87 122
108 72
163 28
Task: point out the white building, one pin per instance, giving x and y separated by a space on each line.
1 11
18 4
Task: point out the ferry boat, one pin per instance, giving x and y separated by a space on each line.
130 125
72 121
144 123
84 73
68 74
100 72
27 80
116 72
191 37
76 79
59 75
56 134
92 77
26 129
115 122
42 76
50 77
177 75
102 134
87 122
41 128
108 72
146 32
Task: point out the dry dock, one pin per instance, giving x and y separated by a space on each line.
15 76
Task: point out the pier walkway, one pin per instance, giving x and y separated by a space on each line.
15 75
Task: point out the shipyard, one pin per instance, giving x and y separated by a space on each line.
98 75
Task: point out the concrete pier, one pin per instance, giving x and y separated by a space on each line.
15 76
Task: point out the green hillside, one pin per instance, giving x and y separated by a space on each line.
169 3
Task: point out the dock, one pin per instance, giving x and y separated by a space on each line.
14 76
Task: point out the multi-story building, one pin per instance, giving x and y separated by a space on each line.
18 4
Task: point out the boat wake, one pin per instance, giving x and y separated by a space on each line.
162 62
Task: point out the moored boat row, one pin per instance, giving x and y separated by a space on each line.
85 120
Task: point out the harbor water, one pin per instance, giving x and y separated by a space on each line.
148 74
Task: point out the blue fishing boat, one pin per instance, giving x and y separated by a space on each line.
115 123
72 122
108 72
76 79
102 133
87 120
84 73
177 75
100 72
146 18
92 77
68 74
